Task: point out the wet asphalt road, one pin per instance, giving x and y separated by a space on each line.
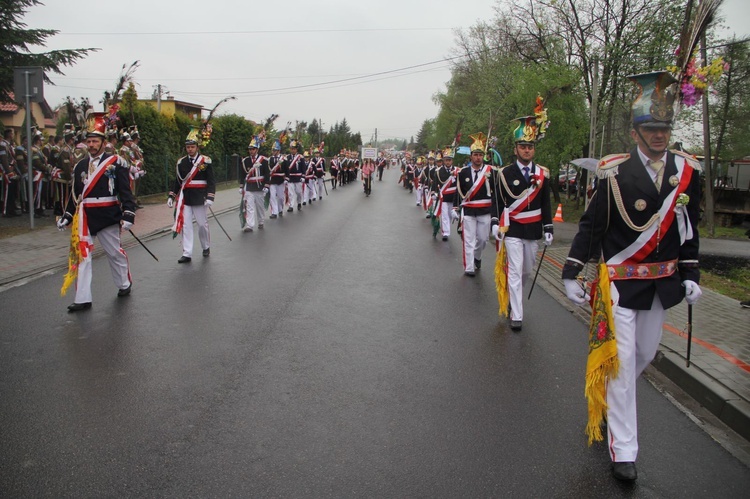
338 353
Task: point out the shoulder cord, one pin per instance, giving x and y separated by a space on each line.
621 207
510 193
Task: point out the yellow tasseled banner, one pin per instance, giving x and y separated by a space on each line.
602 363
74 256
501 281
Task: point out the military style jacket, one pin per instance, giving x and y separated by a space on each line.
200 186
278 169
108 199
524 207
295 167
444 182
257 174
647 238
477 196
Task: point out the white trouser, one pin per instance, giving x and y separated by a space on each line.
277 198
295 193
521 256
255 209
418 194
445 218
476 230
199 213
320 187
638 333
311 191
109 237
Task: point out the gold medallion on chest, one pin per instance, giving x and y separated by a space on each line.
673 181
640 204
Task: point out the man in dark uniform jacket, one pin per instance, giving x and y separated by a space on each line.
102 202
643 219
194 191
380 165
476 183
319 164
525 213
278 180
10 174
255 180
295 167
444 187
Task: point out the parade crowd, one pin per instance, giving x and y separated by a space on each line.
640 226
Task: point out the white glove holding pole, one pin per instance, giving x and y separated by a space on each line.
454 215
575 292
209 202
548 238
496 233
62 223
127 225
170 202
692 292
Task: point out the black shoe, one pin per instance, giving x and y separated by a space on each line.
290 209
743 304
445 238
273 216
77 307
281 213
299 207
303 204
624 471
470 273
428 216
184 259
260 226
125 292
477 264
516 325
206 252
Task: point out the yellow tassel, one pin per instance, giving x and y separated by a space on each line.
602 363
501 281
74 256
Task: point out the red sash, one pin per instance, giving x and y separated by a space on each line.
468 201
179 219
85 243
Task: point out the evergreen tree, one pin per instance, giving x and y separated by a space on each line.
17 42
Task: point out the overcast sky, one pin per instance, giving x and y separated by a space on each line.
204 51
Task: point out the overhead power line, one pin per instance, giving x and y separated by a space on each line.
248 32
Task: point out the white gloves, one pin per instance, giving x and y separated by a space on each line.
170 202
209 202
575 292
692 292
62 223
126 225
434 196
241 190
548 238
265 190
496 232
454 215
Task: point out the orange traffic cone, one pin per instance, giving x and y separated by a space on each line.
558 214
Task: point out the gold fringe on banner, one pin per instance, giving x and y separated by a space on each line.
602 364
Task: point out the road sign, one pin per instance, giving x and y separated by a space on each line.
35 84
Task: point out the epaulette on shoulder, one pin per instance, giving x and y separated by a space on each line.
545 171
689 159
609 165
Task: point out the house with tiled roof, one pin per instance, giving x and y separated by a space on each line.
12 115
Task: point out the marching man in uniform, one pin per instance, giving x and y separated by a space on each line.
254 186
319 163
278 181
524 205
193 193
643 218
295 168
100 204
444 185
475 189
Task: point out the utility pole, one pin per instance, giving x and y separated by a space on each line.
376 138
707 163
